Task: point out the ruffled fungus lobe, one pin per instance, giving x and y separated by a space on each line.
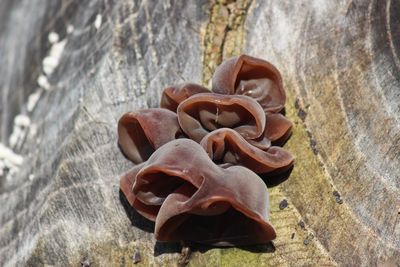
174 95
203 113
126 183
277 128
140 133
257 78
198 200
227 146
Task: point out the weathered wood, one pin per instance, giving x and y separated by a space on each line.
339 61
71 211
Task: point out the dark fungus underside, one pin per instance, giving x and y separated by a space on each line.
209 189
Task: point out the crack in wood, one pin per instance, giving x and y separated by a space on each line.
224 35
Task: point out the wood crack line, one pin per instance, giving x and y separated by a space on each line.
224 33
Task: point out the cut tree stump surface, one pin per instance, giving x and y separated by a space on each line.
339 60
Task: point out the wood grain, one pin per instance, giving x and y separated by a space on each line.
339 59
71 211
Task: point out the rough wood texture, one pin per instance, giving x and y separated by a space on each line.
341 71
71 210
340 59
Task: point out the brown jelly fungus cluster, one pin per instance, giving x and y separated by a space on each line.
200 156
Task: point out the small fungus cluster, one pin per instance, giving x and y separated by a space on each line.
200 156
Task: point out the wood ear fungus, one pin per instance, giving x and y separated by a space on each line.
203 113
174 95
254 77
201 155
227 146
183 197
142 132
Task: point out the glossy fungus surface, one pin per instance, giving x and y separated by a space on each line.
201 155
227 146
189 195
277 130
174 95
203 113
126 184
254 77
142 132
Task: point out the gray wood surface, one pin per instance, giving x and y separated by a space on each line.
339 60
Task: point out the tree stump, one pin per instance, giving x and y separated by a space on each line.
70 69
